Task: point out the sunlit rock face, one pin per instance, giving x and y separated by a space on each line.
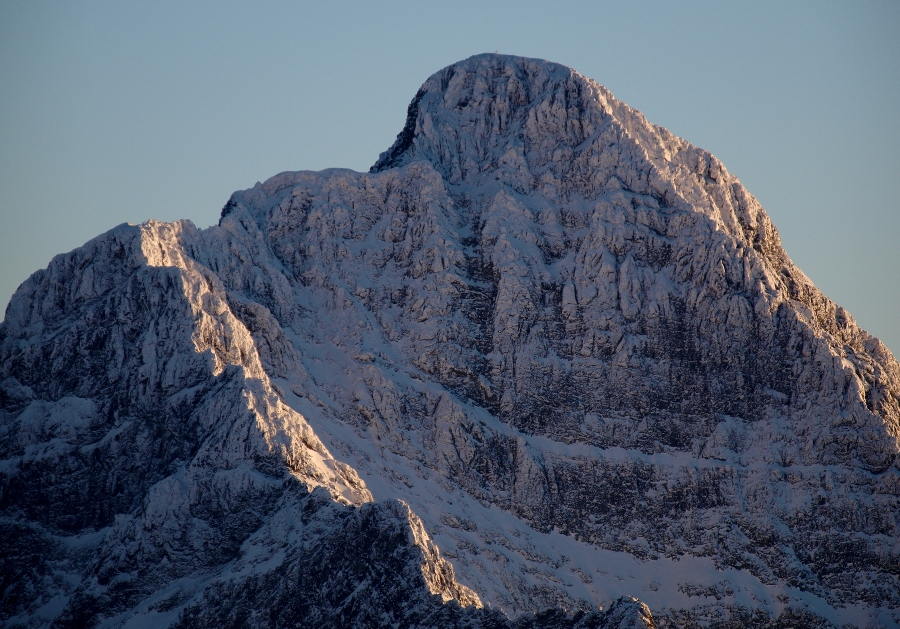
544 363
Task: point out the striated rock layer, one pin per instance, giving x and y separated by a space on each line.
542 335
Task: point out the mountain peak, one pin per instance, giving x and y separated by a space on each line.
491 112
546 355
537 126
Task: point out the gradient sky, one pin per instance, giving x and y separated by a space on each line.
124 111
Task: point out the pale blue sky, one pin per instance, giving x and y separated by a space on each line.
124 111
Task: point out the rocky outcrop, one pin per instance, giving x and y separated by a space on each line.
568 341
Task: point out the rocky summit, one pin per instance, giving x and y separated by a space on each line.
545 365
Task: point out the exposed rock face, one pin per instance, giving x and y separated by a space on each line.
567 340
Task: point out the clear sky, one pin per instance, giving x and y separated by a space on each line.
124 111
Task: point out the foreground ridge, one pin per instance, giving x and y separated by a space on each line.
542 335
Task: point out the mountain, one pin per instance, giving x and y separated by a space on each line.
546 364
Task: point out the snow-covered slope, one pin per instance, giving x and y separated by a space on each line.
544 355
